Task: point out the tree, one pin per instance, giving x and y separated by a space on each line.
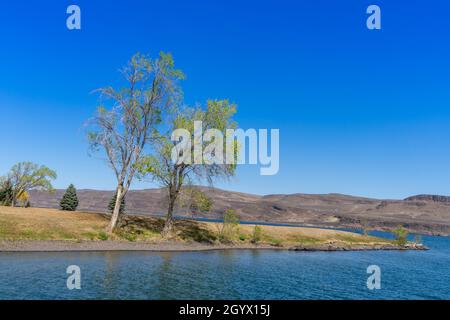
195 200
112 204
230 223
6 192
69 201
124 130
365 227
257 234
174 174
401 235
23 199
26 176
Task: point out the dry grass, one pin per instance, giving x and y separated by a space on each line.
291 236
51 224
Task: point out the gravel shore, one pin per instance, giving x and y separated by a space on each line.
55 246
65 246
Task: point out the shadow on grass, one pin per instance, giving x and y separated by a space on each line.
191 230
131 227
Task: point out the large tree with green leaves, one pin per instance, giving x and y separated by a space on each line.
69 201
174 174
128 126
26 176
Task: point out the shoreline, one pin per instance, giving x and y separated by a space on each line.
171 246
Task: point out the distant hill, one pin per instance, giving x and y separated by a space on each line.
422 213
429 197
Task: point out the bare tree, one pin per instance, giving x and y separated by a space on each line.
124 130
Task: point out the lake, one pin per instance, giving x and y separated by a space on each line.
231 274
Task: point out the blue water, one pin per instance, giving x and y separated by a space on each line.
232 274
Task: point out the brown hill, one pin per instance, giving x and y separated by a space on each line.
419 214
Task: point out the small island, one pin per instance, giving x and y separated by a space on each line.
41 229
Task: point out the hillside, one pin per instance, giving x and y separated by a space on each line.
424 215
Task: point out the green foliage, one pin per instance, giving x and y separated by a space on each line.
201 202
26 176
69 201
231 218
401 235
23 199
195 200
257 234
125 126
276 242
227 230
103 236
6 193
112 204
162 165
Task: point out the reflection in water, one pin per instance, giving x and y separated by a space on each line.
164 284
231 274
111 261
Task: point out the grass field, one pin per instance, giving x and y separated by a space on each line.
51 224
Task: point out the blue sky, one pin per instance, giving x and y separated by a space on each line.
360 111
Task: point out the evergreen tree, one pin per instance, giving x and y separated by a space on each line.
69 201
6 193
112 203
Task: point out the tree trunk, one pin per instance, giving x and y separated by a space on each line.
168 226
116 211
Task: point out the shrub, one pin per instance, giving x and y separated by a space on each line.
23 199
401 235
257 234
103 236
69 201
228 228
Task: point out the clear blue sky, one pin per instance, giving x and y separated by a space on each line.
360 112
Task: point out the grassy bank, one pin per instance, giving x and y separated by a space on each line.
51 224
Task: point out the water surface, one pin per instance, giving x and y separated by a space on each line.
232 274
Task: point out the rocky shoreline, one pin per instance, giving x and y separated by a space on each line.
99 246
391 247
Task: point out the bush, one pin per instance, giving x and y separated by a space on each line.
257 234
401 235
23 199
103 236
69 201
228 228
